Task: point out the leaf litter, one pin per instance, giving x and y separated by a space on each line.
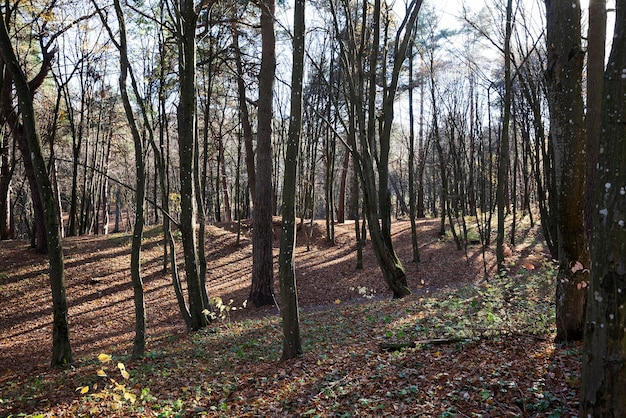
465 346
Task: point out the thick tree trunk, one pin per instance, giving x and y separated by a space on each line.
596 38
262 288
564 76
341 203
604 350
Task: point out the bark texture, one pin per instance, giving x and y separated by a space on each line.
567 131
187 143
292 345
604 350
262 288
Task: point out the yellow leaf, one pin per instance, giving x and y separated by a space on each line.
83 389
102 373
337 301
104 358
130 397
122 368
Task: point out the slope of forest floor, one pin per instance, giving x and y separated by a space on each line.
466 343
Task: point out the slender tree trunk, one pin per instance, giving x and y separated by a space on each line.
224 183
422 155
246 126
187 144
412 196
341 203
61 348
139 342
503 157
292 346
604 350
6 174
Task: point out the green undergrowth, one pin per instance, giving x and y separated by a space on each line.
505 305
482 350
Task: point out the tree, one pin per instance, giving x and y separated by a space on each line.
596 38
139 342
261 289
61 348
186 23
372 153
503 158
412 194
292 346
604 349
7 168
567 131
10 116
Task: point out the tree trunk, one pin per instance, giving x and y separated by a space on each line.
61 348
6 174
224 183
292 346
20 135
604 355
246 126
377 199
341 203
412 194
564 76
139 342
187 144
596 38
262 288
503 157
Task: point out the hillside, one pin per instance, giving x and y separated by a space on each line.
484 347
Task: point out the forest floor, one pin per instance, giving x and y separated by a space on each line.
479 345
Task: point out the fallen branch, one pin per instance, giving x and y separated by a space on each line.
389 347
